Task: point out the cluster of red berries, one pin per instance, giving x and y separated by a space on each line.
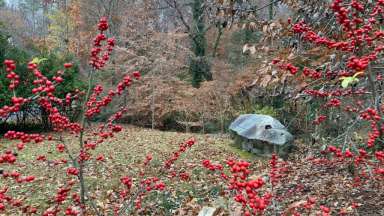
308 205
358 64
153 183
61 123
334 102
245 189
147 184
25 138
312 73
61 197
60 147
184 176
91 111
361 162
127 181
103 24
92 101
68 99
9 156
11 75
117 115
312 36
372 116
100 158
126 82
72 171
94 106
339 154
379 156
211 166
97 60
41 158
335 93
51 212
289 67
5 199
62 194
320 119
325 211
84 155
112 119
17 103
148 159
71 211
18 178
349 108
102 133
361 32
8 201
275 172
42 83
182 148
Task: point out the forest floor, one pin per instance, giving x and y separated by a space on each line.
331 184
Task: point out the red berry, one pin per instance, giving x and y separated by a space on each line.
68 65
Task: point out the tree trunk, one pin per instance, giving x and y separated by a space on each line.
153 105
199 65
271 10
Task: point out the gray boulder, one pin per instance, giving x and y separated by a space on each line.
261 134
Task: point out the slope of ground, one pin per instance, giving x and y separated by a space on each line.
331 183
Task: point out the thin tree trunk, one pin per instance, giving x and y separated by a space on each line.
153 105
271 9
217 41
81 139
33 19
66 27
202 118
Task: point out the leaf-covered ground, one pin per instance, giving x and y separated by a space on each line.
331 184
124 157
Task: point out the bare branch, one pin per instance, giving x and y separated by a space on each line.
173 4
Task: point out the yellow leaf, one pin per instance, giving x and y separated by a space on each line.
358 73
35 60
